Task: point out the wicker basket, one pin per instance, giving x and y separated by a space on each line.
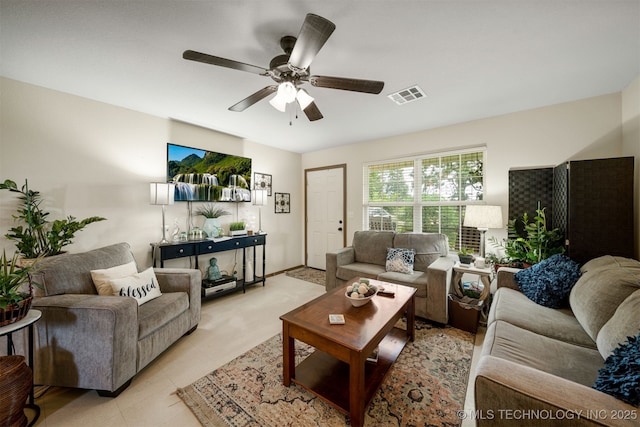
15 312
15 385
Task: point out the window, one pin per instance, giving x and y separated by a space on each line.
426 193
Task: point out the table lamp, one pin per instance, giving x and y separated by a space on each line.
259 197
162 193
483 217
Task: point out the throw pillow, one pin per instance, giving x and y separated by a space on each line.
549 282
101 277
400 260
141 286
620 376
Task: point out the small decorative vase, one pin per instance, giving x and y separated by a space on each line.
212 227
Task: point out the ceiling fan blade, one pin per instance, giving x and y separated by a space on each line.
192 55
312 112
356 85
252 99
314 33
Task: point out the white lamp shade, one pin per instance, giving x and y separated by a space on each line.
259 197
161 193
279 103
287 91
483 216
304 99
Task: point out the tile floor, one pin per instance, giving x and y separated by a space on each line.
230 326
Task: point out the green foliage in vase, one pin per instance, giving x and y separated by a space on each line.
12 277
236 226
38 236
211 211
530 242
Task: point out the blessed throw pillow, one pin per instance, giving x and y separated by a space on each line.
101 277
620 376
400 260
549 282
141 286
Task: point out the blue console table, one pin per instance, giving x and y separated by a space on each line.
195 248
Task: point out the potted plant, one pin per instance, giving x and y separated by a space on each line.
529 243
237 228
37 236
14 301
212 214
465 255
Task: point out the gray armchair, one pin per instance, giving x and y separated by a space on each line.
89 341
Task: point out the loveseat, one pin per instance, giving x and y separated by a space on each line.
367 257
89 341
538 364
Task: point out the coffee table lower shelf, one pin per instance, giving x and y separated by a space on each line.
328 377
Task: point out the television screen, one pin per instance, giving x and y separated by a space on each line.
206 176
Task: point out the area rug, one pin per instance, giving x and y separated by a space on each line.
309 274
425 387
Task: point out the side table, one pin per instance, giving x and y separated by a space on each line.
27 322
485 278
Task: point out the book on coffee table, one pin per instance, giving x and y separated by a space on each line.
336 319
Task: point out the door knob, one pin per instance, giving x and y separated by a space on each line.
339 228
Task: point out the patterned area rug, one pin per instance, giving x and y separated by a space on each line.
426 386
309 274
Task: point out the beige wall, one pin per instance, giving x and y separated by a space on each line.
584 129
89 158
631 141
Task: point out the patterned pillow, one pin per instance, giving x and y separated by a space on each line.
550 281
620 376
142 286
400 260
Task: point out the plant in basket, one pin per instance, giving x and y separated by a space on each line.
15 301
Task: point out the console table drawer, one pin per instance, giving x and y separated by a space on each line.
256 240
176 251
225 245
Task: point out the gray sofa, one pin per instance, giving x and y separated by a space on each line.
366 257
89 341
540 359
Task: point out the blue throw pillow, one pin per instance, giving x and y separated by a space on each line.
620 376
549 282
400 260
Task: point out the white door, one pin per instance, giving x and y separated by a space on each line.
325 213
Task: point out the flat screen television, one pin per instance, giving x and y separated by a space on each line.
206 176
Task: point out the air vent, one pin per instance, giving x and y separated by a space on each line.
407 95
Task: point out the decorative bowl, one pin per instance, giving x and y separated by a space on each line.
359 302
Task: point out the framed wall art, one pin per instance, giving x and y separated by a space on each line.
283 203
262 181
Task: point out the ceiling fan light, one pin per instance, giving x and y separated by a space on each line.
279 103
304 99
287 91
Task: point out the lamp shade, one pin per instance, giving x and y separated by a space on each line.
304 99
483 216
259 197
161 193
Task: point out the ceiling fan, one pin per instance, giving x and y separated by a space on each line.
291 70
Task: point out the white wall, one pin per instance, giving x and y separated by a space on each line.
584 129
631 141
88 158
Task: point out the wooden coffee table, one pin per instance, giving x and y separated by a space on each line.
338 371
